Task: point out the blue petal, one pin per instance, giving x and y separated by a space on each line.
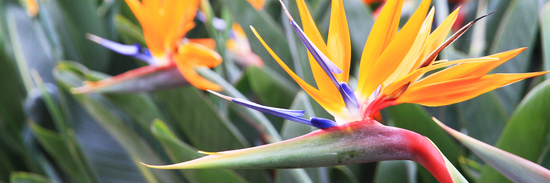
323 60
270 110
218 23
130 50
293 115
348 95
322 123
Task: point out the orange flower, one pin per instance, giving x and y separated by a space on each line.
165 23
392 64
257 4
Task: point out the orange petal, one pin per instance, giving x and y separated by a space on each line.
207 42
332 103
257 4
470 69
195 79
437 37
458 90
410 78
197 55
393 54
381 34
321 78
338 42
414 53
32 8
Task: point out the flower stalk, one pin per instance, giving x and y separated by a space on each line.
357 142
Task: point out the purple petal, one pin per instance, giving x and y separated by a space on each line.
218 23
323 60
322 123
117 47
293 115
348 95
130 50
270 110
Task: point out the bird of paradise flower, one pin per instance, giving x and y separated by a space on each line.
392 69
164 24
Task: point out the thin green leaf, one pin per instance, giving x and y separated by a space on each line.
58 149
69 76
79 18
205 128
30 46
257 118
514 167
130 32
545 33
271 89
526 131
24 177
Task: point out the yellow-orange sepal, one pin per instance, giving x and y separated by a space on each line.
458 90
191 55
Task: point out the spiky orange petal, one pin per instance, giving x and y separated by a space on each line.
458 90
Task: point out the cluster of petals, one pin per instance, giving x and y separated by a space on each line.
164 24
393 64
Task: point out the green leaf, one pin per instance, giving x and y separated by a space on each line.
58 149
395 171
79 18
271 89
12 117
484 117
140 107
206 130
70 75
180 151
66 134
30 46
262 124
24 177
518 28
545 33
514 167
496 19
526 131
128 31
199 121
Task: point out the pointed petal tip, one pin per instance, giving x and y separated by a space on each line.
220 95
80 90
209 153
286 11
154 166
94 38
85 88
